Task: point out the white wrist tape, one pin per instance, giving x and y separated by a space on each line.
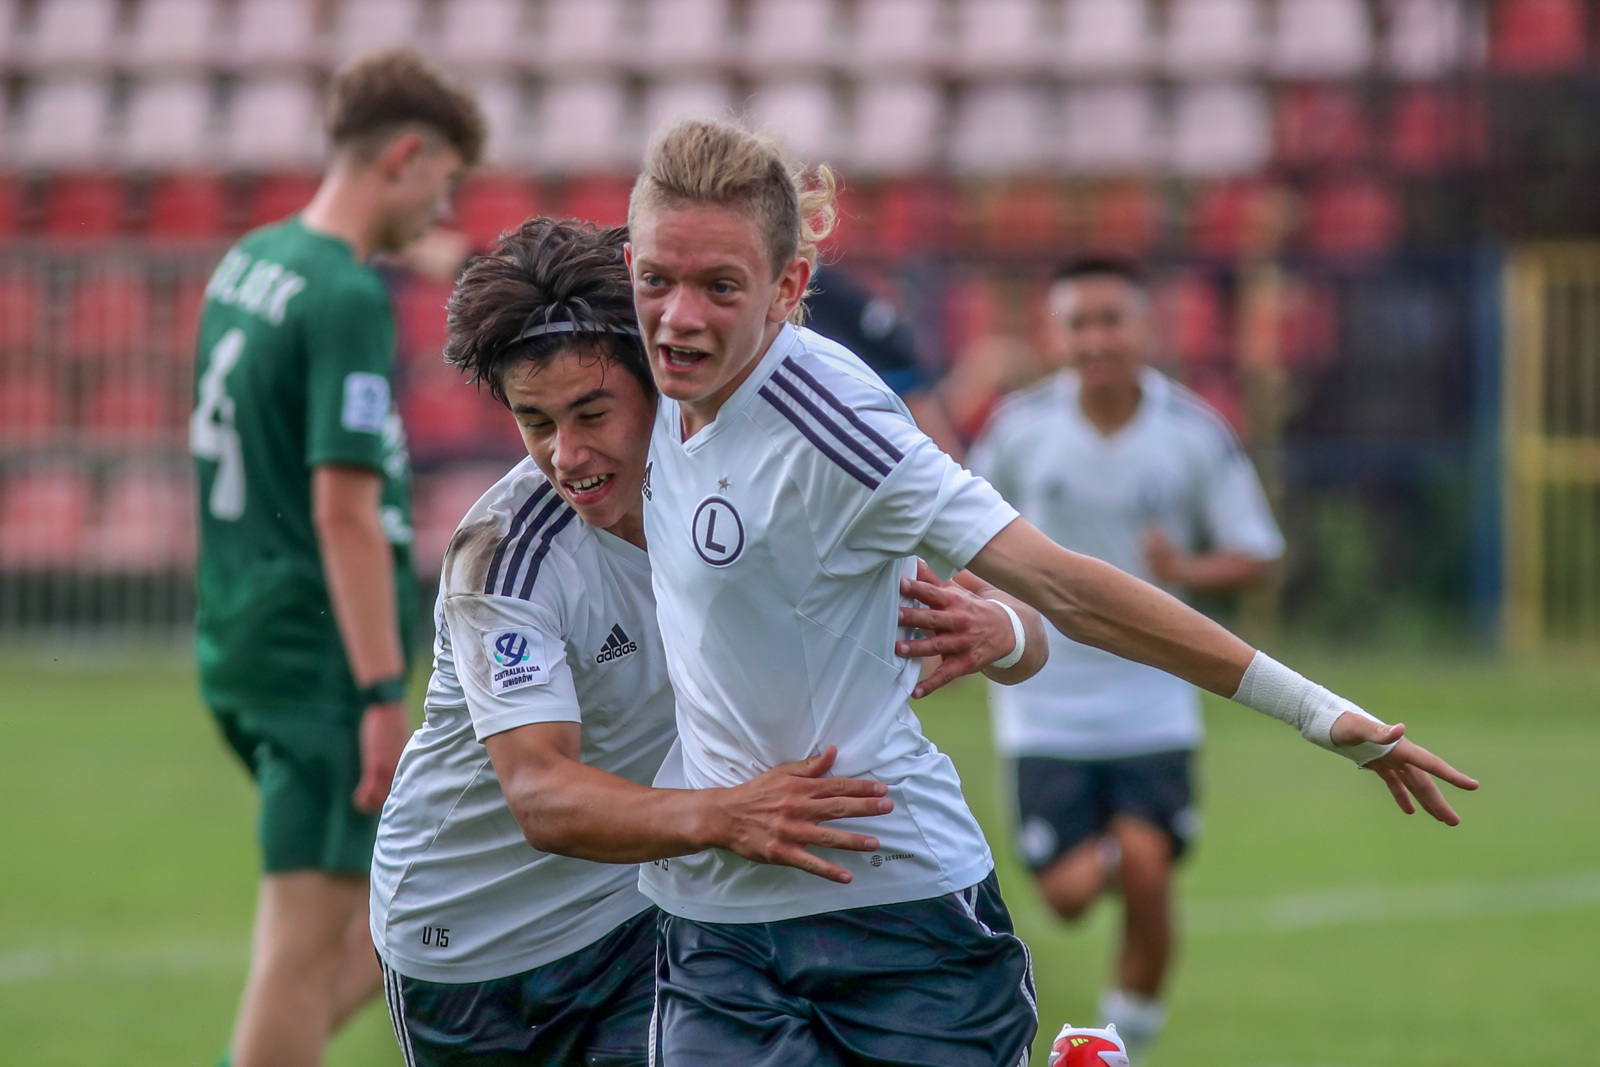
1273 689
1011 659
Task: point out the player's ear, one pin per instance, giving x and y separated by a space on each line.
627 256
791 288
400 152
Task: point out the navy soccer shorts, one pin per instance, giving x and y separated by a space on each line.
1061 803
942 982
589 1009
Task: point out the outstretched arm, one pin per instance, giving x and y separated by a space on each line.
569 808
1094 603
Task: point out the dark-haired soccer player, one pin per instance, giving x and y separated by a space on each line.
1112 459
305 581
505 900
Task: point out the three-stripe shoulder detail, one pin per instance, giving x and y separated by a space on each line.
522 551
835 428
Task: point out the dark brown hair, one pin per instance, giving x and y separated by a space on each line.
546 271
1115 264
377 95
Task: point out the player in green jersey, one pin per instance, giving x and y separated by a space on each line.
305 583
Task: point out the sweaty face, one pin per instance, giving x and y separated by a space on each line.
1099 324
419 194
707 301
586 423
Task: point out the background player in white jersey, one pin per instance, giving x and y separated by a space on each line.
1112 459
789 489
548 711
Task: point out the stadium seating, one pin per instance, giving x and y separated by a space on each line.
801 113
788 35
66 122
132 407
72 33
167 124
1538 36
681 34
273 124
172 34
43 515
583 35
21 306
441 501
1111 128
582 125
1321 38
1190 306
601 200
489 204
1426 38
896 128
276 196
11 205
1211 37
108 315
272 33
1353 217
84 206
1318 124
187 205
1127 215
145 523
1220 129
1105 37
999 129
30 404
897 35
477 32
998 36
686 98
369 25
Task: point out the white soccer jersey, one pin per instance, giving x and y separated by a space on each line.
1176 466
778 536
541 619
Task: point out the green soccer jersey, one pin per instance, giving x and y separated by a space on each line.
294 370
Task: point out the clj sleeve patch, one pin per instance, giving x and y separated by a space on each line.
516 659
366 402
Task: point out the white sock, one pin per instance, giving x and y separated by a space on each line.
1138 1019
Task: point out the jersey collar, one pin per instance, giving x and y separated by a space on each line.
775 354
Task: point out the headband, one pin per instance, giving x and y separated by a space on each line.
565 326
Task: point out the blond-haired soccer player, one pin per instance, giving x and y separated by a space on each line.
1112 459
789 492
305 582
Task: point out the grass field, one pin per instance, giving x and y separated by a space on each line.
1324 928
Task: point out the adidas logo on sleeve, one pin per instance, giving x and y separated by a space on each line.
617 645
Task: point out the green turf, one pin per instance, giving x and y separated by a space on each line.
128 879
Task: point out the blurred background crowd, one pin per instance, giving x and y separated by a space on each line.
1365 220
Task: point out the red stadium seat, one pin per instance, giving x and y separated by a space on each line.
109 315
1321 124
1354 217
1126 216
178 327
442 500
42 519
131 408
1220 389
603 201
1431 128
420 305
146 524
10 206
85 206
1538 36
1192 306
492 203
30 404
442 418
22 300
277 196
188 205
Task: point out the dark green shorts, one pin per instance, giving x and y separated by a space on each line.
306 765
